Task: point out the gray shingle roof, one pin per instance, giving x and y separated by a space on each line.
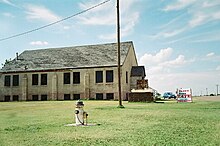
68 57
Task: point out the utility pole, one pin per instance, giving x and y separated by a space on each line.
206 91
217 90
119 57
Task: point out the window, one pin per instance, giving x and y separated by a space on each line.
127 95
43 79
7 98
15 80
109 76
7 80
66 96
43 97
99 76
34 79
76 77
76 96
66 78
99 96
35 97
15 97
110 96
126 77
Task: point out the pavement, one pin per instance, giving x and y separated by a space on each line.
207 98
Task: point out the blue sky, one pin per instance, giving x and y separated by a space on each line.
178 41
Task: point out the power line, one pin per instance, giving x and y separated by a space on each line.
53 23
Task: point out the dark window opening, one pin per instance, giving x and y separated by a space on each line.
66 78
15 80
34 79
35 97
7 80
109 76
7 98
110 96
99 76
99 96
43 79
43 97
127 95
15 98
76 96
76 77
126 77
66 96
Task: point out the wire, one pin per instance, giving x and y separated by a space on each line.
53 23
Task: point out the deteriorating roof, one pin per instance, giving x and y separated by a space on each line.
138 71
68 57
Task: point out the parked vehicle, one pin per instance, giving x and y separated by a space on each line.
169 95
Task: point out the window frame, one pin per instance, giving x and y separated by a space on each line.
99 76
66 97
35 79
109 76
15 80
76 77
34 98
97 96
15 98
43 79
7 81
126 78
76 96
7 98
108 95
45 97
66 78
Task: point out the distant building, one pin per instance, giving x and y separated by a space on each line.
70 73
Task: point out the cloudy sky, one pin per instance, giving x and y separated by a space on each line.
178 41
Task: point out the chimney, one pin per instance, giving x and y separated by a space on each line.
17 56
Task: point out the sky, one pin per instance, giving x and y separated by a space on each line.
178 41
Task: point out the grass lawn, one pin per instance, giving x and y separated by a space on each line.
169 123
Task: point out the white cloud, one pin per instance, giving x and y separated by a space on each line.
163 62
161 56
201 12
167 33
180 4
210 3
198 81
41 13
106 15
125 31
198 19
179 61
8 2
39 43
204 16
164 75
66 27
210 54
8 15
101 15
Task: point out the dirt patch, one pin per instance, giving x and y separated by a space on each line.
207 98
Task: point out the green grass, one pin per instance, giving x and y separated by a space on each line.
169 123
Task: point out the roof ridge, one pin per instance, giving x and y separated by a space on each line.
40 49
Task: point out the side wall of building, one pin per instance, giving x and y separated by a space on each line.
130 61
55 89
